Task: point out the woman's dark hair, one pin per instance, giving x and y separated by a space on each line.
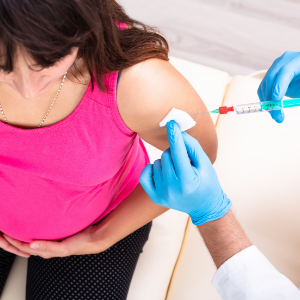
48 30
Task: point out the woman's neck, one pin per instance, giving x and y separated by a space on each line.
24 113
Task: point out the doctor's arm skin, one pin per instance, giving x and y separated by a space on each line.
244 273
146 93
224 238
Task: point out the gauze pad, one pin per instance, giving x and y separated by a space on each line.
183 119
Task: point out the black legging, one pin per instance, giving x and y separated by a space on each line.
106 275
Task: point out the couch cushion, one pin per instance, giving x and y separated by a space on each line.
156 264
258 166
194 270
15 286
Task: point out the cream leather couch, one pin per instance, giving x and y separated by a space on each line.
257 166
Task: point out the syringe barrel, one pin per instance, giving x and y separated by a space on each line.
248 108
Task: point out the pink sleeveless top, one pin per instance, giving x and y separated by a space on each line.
57 180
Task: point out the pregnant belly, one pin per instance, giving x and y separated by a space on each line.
34 208
51 216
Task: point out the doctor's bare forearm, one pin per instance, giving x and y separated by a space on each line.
224 238
134 212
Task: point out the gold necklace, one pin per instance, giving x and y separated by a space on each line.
62 83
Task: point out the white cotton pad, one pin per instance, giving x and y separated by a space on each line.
183 119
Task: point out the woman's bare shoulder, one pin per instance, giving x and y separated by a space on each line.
148 91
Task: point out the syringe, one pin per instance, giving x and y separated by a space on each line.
256 107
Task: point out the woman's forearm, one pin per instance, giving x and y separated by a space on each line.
133 212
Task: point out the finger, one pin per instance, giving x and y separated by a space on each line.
277 115
157 172
268 80
167 167
5 245
284 77
262 89
22 246
147 182
178 150
260 93
195 151
270 77
52 247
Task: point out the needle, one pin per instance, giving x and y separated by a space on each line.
207 112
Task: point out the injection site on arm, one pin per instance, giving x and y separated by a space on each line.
183 119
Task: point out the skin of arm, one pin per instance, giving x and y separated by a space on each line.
146 93
224 238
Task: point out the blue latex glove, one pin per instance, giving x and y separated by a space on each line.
282 79
191 187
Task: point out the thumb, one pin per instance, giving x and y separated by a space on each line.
277 115
147 181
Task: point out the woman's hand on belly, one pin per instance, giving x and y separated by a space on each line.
8 247
81 243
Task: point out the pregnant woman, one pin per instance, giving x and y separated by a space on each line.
80 84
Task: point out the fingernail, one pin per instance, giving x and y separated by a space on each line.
34 245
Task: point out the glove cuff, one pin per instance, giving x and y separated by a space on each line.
217 214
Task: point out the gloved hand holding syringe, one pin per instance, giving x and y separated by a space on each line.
256 107
282 79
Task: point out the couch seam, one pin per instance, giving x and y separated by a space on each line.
178 257
225 95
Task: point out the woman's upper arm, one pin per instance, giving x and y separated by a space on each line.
148 91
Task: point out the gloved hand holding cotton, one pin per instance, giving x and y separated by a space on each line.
191 187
